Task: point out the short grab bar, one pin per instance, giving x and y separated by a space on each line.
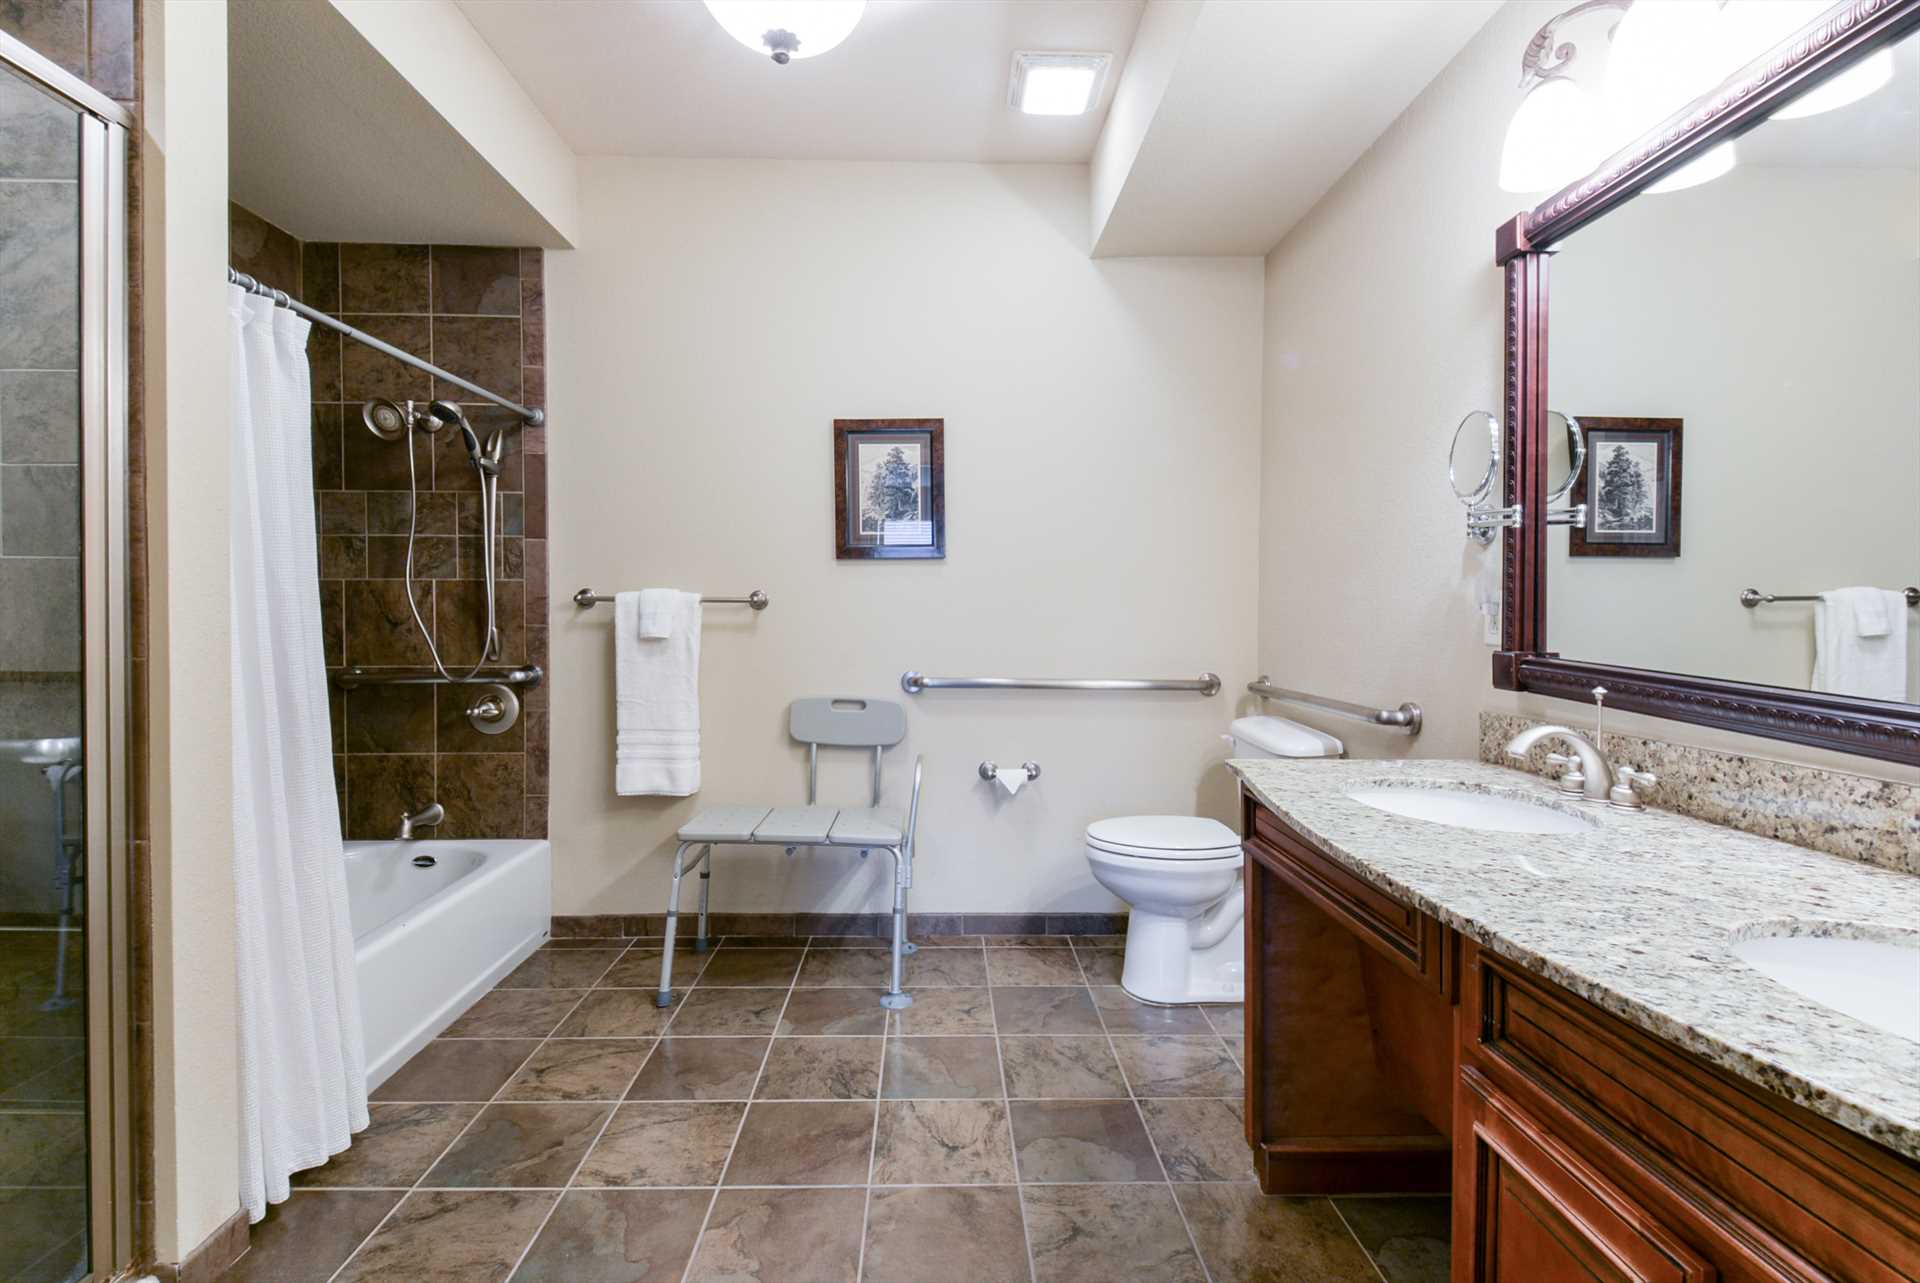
1407 717
1205 684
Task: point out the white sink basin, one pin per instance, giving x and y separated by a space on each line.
1874 981
1471 810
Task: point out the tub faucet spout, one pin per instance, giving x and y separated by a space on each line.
425 818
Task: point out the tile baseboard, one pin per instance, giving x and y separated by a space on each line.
878 925
214 1255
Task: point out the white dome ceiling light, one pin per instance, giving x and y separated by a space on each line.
788 29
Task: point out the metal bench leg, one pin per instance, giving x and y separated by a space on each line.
665 997
896 997
706 881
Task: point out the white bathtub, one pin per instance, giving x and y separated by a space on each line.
427 942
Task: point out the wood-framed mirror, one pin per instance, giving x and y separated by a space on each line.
1775 313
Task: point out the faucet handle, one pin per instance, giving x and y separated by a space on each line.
1625 781
1572 781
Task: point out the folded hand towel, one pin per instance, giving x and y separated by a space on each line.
657 696
1860 643
657 609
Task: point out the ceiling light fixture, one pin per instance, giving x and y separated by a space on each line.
788 29
1057 84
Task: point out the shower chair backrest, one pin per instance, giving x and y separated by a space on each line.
845 722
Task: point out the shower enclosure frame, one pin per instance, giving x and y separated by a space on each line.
104 128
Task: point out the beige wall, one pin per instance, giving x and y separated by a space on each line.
1801 445
1102 425
196 1121
1383 327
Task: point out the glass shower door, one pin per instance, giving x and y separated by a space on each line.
62 669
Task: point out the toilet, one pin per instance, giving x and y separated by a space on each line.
1180 874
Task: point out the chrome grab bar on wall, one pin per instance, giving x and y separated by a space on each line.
587 598
530 676
1205 684
1407 717
1752 597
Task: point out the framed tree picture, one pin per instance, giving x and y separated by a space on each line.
1631 486
889 489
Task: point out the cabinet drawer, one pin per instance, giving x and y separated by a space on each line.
1411 938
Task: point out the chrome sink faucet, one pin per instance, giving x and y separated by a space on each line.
1589 775
425 818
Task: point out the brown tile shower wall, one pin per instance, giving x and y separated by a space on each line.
475 311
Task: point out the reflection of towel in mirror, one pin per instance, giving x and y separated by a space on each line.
1860 643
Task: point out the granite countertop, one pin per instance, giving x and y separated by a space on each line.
1636 914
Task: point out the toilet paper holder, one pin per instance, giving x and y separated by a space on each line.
988 770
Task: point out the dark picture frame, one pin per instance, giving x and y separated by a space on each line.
889 489
1631 487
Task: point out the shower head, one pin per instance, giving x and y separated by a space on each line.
385 419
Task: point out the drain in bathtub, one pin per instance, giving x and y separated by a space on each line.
424 862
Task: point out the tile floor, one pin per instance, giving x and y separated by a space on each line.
1023 1120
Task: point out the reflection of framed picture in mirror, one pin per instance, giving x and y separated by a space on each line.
889 489
1631 486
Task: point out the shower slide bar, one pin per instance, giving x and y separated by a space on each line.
1407 717
1205 684
587 598
533 417
530 676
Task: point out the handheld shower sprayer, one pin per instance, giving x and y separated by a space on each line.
448 414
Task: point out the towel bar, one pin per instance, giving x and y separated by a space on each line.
587 598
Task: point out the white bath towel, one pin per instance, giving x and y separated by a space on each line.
657 697
1860 643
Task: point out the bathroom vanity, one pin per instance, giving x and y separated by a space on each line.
1459 980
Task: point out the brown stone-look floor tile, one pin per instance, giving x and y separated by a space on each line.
700 1069
1408 1238
579 1069
1098 1140
1102 966
941 1068
803 1143
1126 1014
942 1142
617 1236
821 1012
821 1069
751 968
726 1011
451 1236
1046 1011
946 1236
305 1239
781 1236
943 1011
1056 1068
671 1142
945 969
459 1070
1246 1235
560 969
1099 1233
639 968
1176 1066
400 1142
1200 1140
522 1146
1032 967
1026 942
1237 1048
764 942
615 943
616 1013
844 968
515 1013
1228 1021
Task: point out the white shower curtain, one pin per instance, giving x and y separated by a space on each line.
303 1083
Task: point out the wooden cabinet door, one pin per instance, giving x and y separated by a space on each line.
1528 1211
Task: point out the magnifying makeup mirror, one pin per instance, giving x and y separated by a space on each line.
1473 463
1566 453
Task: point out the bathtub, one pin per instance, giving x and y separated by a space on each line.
427 942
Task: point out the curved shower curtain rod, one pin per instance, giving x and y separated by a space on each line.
534 418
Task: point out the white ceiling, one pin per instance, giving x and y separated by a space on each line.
1269 104
917 80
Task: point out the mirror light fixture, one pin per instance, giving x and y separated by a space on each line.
1057 84
788 29
1559 131
1869 75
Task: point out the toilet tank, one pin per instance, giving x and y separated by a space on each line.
1278 737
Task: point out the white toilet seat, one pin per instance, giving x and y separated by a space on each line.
1167 861
1164 837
